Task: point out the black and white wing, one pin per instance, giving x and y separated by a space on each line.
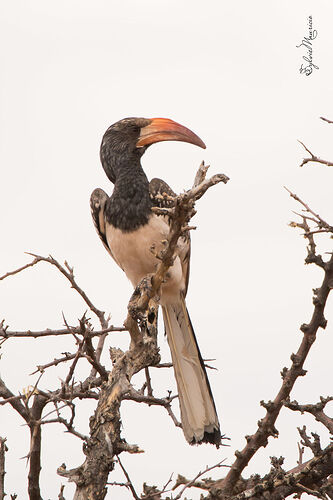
98 200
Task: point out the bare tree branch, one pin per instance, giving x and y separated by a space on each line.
3 449
16 271
192 482
317 410
55 362
306 441
14 401
133 395
321 223
92 358
48 332
266 426
35 447
326 120
314 158
306 475
129 482
61 496
68 272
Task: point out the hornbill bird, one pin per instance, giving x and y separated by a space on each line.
129 229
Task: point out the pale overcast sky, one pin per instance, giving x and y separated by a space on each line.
230 72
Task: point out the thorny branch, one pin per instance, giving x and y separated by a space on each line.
6 334
306 441
309 475
266 426
134 395
312 157
317 410
193 482
309 215
32 413
3 449
68 272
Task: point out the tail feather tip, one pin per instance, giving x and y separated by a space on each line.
211 436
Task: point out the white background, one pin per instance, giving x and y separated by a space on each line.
230 72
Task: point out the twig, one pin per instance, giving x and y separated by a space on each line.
130 484
85 333
314 409
326 120
48 332
306 441
61 496
34 389
300 454
190 483
148 382
35 445
153 493
201 174
310 492
14 401
55 362
91 357
314 158
12 398
69 427
3 449
61 420
16 271
133 395
116 483
69 274
319 220
55 410
173 416
163 211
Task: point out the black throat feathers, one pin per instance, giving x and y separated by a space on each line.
129 207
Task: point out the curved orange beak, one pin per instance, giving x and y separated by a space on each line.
163 129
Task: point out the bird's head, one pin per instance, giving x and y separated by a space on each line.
126 141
